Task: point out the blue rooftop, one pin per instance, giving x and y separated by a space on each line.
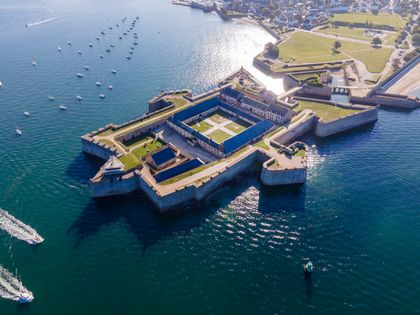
163 156
177 170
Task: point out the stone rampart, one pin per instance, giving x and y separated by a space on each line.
324 129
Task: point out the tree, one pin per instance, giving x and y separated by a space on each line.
376 41
336 46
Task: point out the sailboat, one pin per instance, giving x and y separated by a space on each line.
18 131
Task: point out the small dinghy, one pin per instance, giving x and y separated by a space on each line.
308 268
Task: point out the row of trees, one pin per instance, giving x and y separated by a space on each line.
376 41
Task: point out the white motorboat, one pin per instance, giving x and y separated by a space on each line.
102 95
86 68
18 132
59 48
79 52
103 33
51 98
1 84
110 87
113 71
112 45
78 97
128 57
108 50
98 83
69 43
90 45
62 107
25 298
26 113
79 75
308 268
34 62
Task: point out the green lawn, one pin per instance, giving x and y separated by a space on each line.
262 144
219 136
237 126
129 161
201 126
138 140
357 33
219 116
380 19
107 142
178 101
303 47
147 148
325 111
185 175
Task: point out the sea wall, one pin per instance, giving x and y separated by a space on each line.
115 186
274 177
324 129
296 130
98 149
394 102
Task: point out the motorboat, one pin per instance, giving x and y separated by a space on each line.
97 38
137 18
26 113
132 47
135 43
130 52
62 107
102 95
79 75
128 57
79 52
25 298
101 56
120 37
1 84
108 50
113 71
51 98
110 87
103 33
98 83
110 27
124 33
86 68
18 132
36 239
59 48
90 45
69 43
78 97
135 36
308 268
34 62
112 45
117 25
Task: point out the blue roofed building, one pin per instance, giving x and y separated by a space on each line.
162 158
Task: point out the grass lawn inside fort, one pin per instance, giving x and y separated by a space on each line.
304 47
147 148
377 19
237 126
324 111
356 33
129 161
219 136
219 117
202 126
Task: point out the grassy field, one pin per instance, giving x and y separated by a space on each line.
138 140
357 33
324 111
380 19
237 126
178 101
129 161
219 136
147 148
107 142
219 116
304 47
201 126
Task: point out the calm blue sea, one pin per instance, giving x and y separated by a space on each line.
239 252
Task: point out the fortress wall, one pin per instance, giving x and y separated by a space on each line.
116 187
402 103
282 177
137 132
324 129
297 130
98 149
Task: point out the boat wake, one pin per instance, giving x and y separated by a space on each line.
18 229
11 288
40 22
